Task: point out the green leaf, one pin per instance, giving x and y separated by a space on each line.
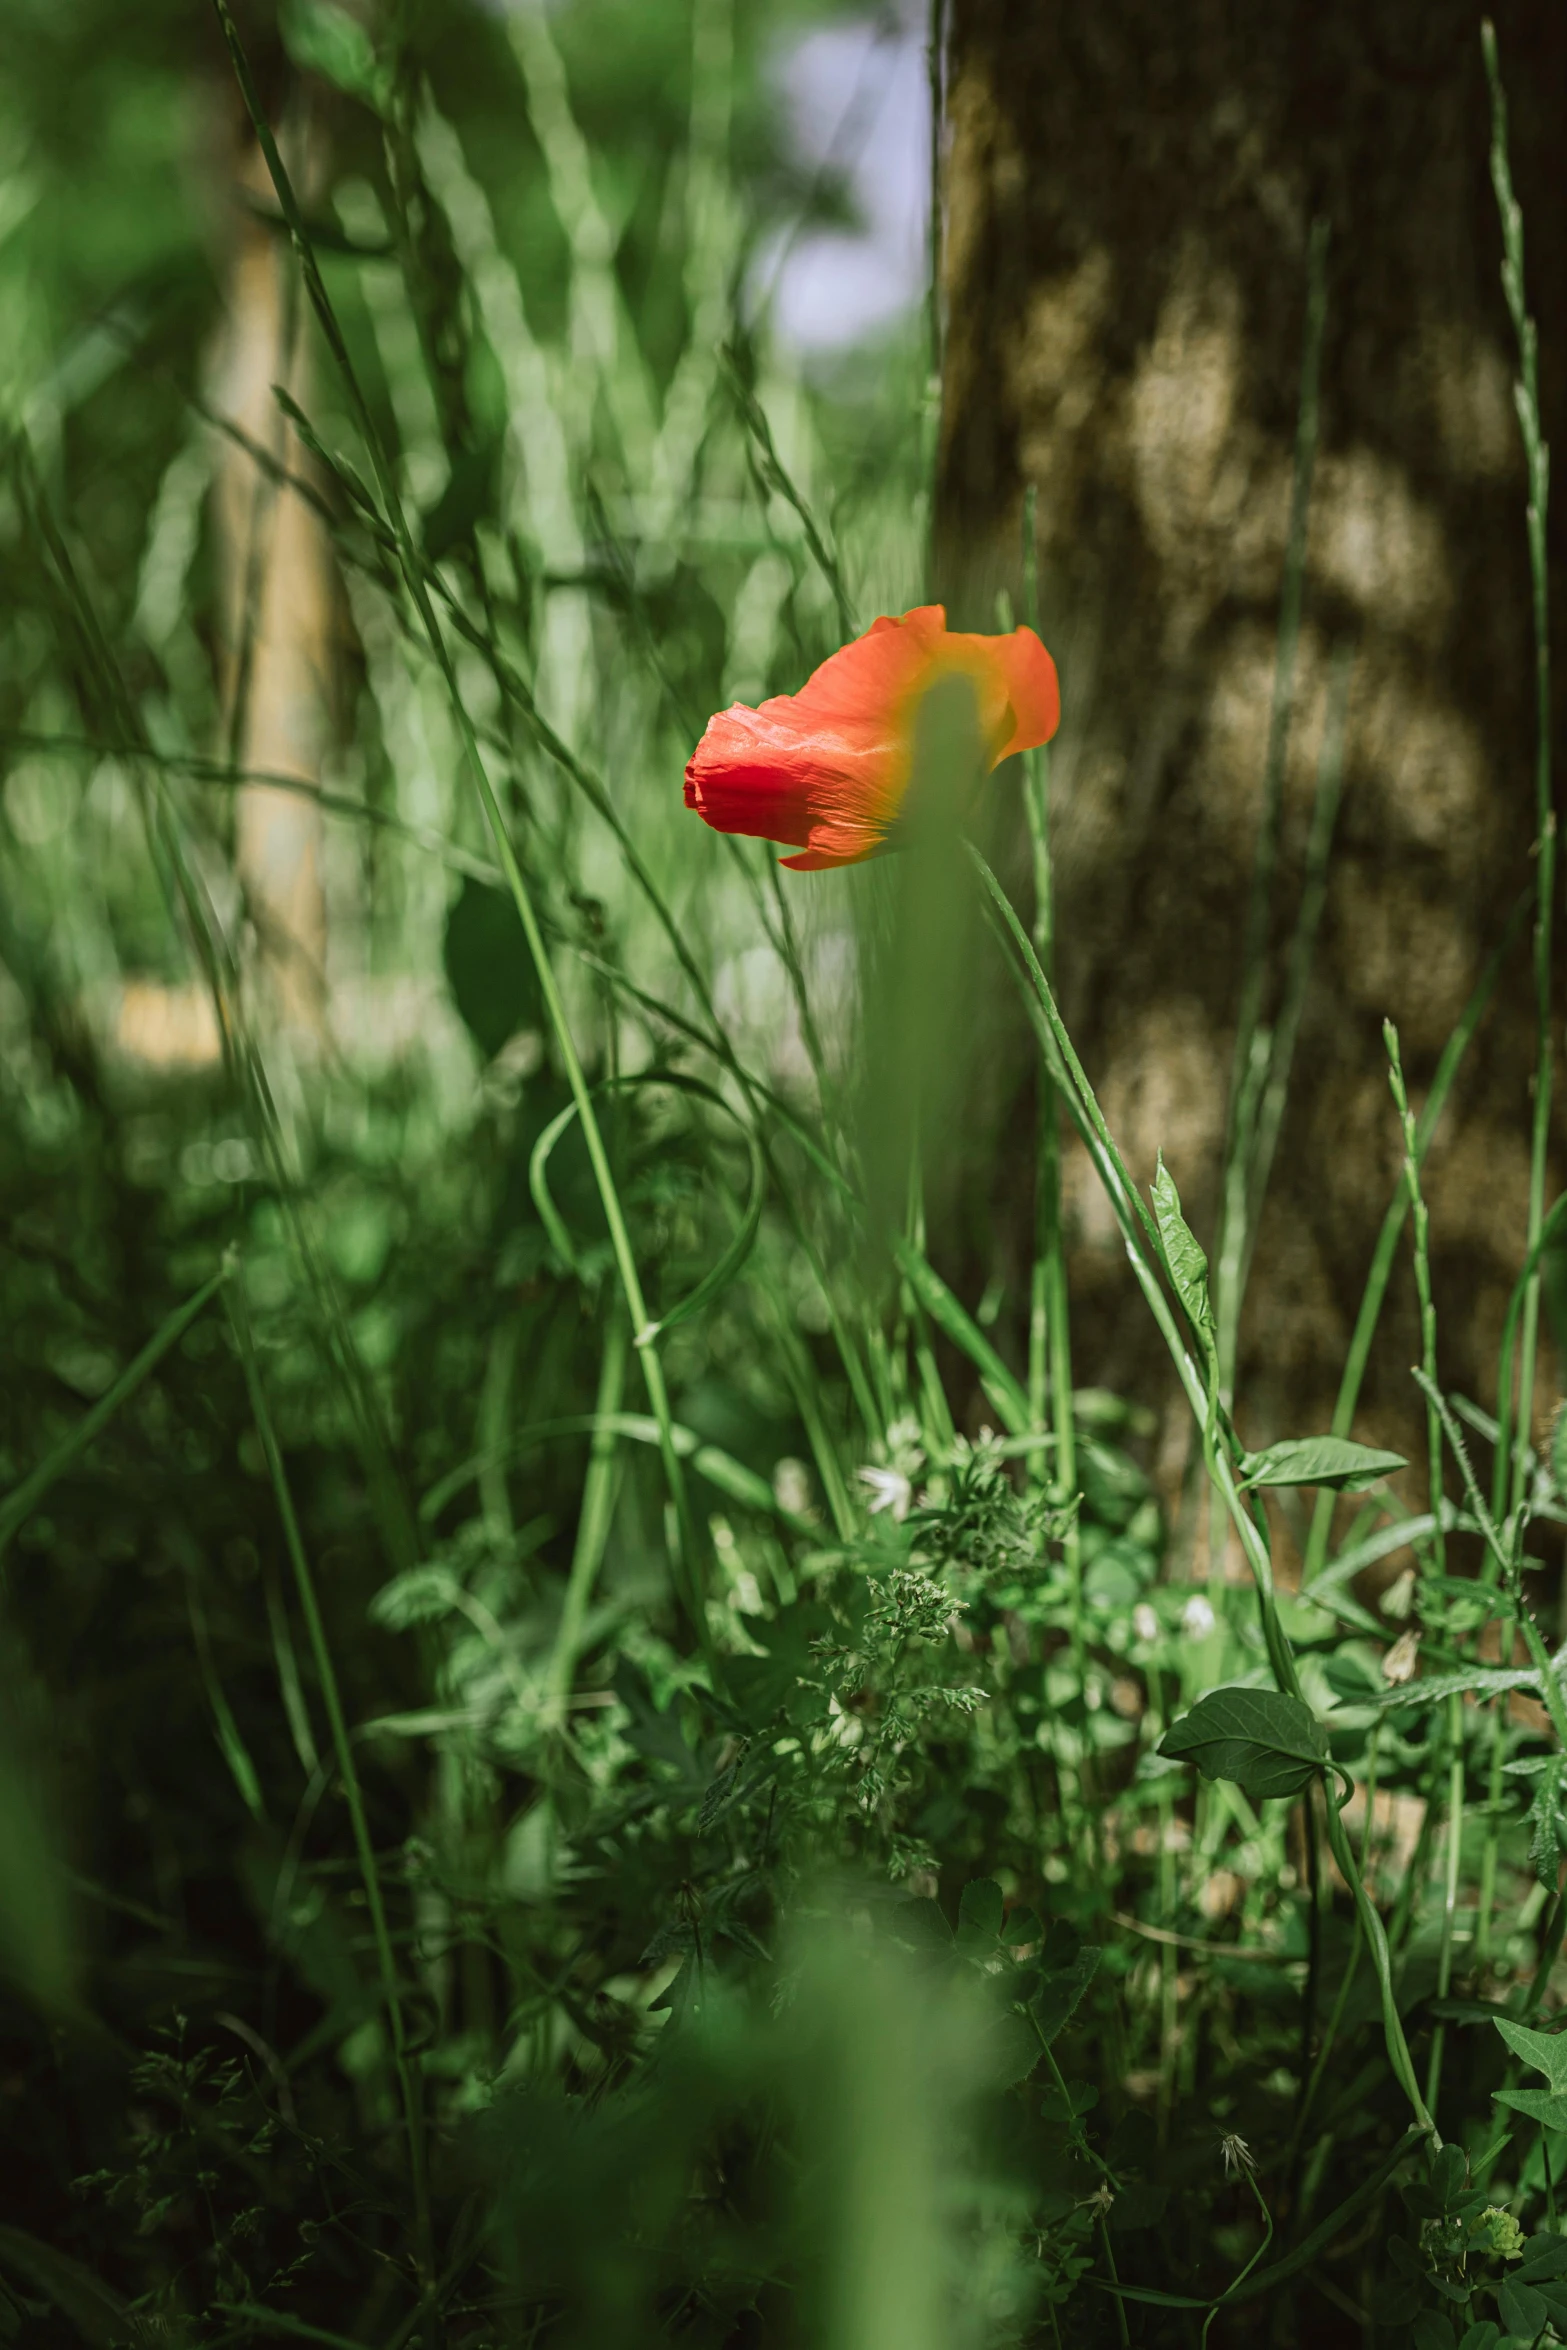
1480 1681
1332 1461
1546 2051
1266 1743
1546 2106
488 967
1009 2051
1547 1825
1524 2311
980 1907
1541 2257
1432 2331
1188 1266
324 39
921 1925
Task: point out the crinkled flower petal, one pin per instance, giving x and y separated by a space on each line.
826 769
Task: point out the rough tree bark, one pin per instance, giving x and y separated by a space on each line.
1129 191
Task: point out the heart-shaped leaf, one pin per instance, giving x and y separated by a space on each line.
1267 1743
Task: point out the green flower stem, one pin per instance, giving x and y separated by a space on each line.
20 1503
1267 2238
1081 2141
1434 1549
1050 1329
593 1524
1537 456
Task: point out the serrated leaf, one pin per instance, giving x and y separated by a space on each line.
1182 1253
1022 1927
1547 1826
1267 1744
1546 2051
1482 1681
720 1795
1331 1461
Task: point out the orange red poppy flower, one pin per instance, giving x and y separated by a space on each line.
826 769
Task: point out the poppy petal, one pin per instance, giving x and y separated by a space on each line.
1032 688
826 769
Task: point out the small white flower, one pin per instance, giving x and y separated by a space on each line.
1399 1597
1197 1617
792 1485
1144 1622
889 1490
1399 1663
1237 2156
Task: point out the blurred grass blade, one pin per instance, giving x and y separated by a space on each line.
96 2311
38 1945
689 1549
20 1503
1004 1391
723 1271
720 1468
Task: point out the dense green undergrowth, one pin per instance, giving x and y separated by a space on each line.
591 1755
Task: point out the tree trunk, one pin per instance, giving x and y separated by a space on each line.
1129 198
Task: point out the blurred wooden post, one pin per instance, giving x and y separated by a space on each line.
276 607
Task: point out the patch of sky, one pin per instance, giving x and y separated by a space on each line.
855 97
